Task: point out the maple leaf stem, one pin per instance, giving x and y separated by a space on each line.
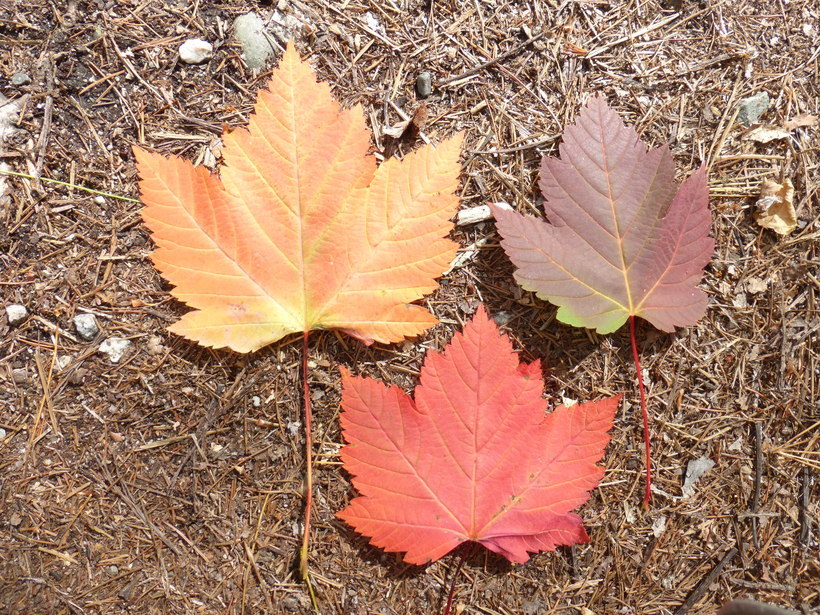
303 552
648 493
466 552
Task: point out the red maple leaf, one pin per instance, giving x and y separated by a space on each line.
619 242
474 457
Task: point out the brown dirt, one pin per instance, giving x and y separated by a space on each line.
171 482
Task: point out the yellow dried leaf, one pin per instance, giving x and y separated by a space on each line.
775 207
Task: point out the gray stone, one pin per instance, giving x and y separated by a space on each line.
750 109
195 51
16 313
18 79
114 348
424 85
249 30
86 326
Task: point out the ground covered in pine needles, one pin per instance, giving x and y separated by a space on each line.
172 481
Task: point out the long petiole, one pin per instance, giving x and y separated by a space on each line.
303 552
648 493
467 551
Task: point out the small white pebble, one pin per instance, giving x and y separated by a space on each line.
256 401
114 348
99 199
756 285
195 51
2 433
16 313
62 362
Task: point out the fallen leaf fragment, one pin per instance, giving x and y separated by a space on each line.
5 192
9 112
804 120
619 240
659 526
406 132
756 285
301 230
740 300
766 134
473 457
695 469
775 206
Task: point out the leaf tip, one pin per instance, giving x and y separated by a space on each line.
291 52
458 139
142 156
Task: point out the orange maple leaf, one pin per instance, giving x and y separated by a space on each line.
301 230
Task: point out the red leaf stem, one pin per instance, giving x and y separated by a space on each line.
466 553
648 493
